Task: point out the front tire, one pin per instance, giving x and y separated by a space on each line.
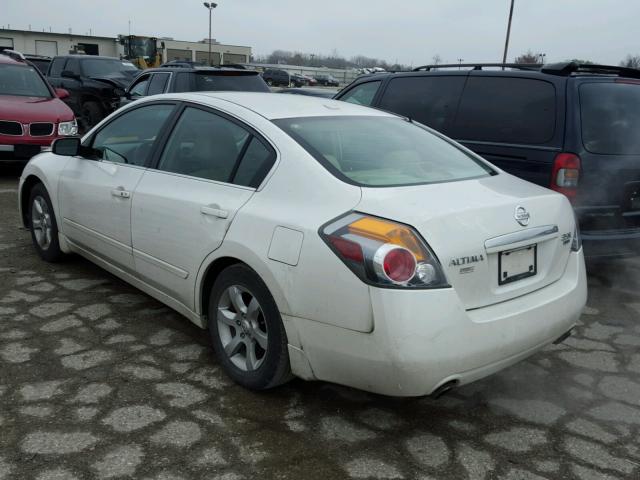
92 114
44 228
246 330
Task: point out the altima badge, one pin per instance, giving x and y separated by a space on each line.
522 216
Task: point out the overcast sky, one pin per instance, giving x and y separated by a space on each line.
409 31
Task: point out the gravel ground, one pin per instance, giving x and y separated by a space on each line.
97 380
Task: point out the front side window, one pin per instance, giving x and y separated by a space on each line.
362 94
23 81
431 100
507 110
140 88
610 113
130 137
203 145
158 83
57 65
382 151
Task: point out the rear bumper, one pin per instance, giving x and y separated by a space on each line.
424 339
624 243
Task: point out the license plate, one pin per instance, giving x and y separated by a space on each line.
518 264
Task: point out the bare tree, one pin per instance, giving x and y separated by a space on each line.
436 59
528 57
631 61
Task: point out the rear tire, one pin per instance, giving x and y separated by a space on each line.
44 228
246 330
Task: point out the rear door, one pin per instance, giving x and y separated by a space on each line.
209 168
605 123
515 122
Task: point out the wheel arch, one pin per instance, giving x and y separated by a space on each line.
217 261
31 181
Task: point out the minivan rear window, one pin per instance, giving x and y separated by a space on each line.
507 110
610 114
382 151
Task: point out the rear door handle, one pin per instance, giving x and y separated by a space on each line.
213 211
120 192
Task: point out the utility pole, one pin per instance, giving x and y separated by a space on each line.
506 42
210 7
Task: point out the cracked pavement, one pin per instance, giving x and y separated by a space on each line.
98 380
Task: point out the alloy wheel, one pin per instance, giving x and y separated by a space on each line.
41 222
242 328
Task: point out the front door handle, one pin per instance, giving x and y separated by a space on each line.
214 211
120 192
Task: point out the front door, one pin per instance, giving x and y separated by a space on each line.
95 194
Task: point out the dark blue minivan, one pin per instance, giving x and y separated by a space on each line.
573 128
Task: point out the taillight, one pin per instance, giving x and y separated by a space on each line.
566 174
383 253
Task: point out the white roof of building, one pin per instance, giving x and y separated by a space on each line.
274 105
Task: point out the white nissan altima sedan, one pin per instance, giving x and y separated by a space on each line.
315 238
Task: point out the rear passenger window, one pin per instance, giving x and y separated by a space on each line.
203 145
158 83
362 94
431 100
255 164
507 110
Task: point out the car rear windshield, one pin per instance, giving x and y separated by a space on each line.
23 81
230 81
610 113
382 151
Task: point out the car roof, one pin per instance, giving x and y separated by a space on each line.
273 106
9 60
99 57
199 70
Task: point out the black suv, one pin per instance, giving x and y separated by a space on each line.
276 78
95 84
573 128
167 79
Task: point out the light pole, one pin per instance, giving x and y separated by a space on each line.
542 55
506 42
210 7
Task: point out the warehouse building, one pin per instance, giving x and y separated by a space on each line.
51 44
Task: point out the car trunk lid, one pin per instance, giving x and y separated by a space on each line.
472 227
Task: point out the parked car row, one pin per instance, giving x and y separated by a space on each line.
570 128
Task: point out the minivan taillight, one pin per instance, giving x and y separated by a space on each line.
566 174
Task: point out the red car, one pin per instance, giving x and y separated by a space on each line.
32 113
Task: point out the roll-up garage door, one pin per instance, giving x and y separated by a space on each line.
234 58
203 57
47 48
177 54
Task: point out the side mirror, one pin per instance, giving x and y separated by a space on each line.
69 74
67 147
61 93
